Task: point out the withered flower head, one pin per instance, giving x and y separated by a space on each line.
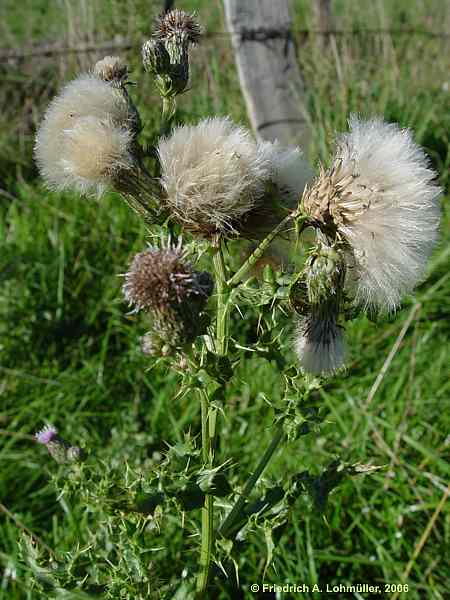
111 69
161 282
178 24
161 279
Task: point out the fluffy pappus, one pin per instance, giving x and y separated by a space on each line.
380 196
212 174
289 170
87 97
93 154
319 344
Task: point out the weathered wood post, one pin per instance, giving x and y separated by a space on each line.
168 5
268 70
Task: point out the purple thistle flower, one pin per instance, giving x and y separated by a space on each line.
59 449
46 435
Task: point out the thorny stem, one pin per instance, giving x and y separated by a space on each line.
262 247
222 302
209 415
234 516
208 508
223 288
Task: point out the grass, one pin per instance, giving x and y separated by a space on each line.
70 356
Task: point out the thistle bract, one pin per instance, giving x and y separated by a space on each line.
166 56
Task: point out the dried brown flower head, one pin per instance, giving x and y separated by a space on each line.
160 280
178 24
162 283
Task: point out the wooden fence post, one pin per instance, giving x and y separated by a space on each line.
168 5
268 69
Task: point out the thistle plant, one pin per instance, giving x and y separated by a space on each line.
372 218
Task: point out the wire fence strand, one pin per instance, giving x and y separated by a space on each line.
259 35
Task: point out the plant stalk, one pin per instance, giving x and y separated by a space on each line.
208 508
233 517
262 247
222 323
209 416
168 113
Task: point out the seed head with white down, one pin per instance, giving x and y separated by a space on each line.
319 341
380 197
212 174
320 345
289 170
215 174
84 136
95 153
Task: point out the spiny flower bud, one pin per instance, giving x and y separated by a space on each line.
380 198
59 449
153 345
178 26
162 283
325 273
155 57
166 57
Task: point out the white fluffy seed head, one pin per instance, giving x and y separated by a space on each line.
289 170
320 346
381 196
213 174
86 96
93 153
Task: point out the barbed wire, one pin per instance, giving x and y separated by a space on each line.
260 35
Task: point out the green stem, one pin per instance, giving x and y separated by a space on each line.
222 323
208 508
209 416
262 247
168 113
233 517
